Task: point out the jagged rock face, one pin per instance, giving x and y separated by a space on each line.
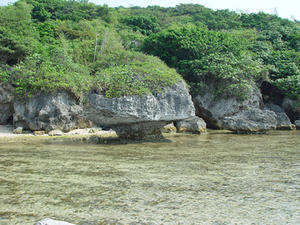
194 125
6 104
213 110
283 121
141 116
251 121
49 112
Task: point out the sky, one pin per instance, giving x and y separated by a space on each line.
289 9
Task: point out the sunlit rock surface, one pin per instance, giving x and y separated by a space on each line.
194 125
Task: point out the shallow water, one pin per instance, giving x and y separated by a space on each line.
210 179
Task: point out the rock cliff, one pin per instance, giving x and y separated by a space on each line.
138 117
49 112
213 110
245 116
6 104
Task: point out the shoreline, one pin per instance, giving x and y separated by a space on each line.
7 135
98 136
87 135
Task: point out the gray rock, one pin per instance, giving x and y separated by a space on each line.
193 125
289 106
50 112
6 104
52 222
141 130
18 130
251 121
55 133
297 123
213 110
283 121
141 116
169 128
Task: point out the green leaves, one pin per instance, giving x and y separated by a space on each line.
139 76
144 24
203 56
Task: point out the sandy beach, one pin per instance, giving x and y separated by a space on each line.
7 131
7 135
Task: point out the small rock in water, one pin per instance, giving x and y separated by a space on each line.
170 128
194 125
52 222
283 121
56 133
39 132
18 130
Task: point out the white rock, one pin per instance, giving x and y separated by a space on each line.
48 221
18 130
56 133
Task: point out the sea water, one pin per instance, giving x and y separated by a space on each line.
216 178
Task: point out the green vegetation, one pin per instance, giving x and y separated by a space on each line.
51 45
203 56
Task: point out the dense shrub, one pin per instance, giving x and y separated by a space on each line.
203 56
135 74
47 45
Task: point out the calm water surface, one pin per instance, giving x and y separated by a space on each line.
211 179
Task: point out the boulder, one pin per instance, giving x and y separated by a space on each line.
6 104
52 222
47 112
138 117
18 130
289 106
194 125
251 121
213 110
55 133
169 128
283 121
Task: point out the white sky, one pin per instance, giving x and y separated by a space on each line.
285 8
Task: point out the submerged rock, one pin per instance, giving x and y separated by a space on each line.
52 222
283 121
138 117
6 104
50 112
193 125
213 110
251 121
